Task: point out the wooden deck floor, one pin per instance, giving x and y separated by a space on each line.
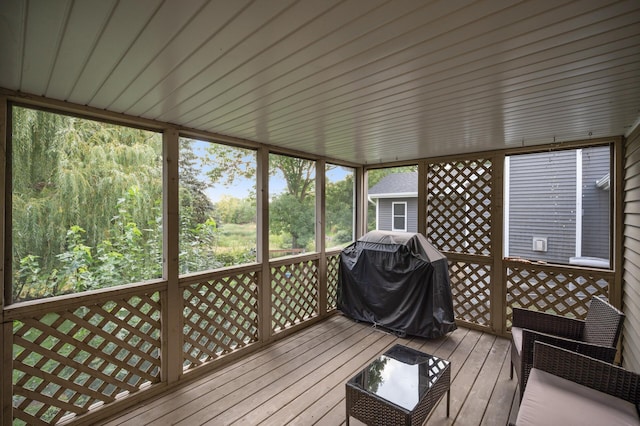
300 380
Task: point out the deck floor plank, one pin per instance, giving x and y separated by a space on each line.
466 363
243 391
300 380
473 410
286 406
154 410
290 384
502 396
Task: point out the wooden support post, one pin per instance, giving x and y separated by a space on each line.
6 328
361 202
264 280
321 236
422 197
172 305
498 284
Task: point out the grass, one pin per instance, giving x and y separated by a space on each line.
237 236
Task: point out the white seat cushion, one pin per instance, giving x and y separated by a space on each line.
516 335
552 400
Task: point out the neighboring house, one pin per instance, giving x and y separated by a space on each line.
396 199
555 205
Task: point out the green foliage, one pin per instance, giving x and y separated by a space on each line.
87 205
234 210
204 243
293 212
293 216
198 251
339 213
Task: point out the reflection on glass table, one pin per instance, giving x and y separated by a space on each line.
402 377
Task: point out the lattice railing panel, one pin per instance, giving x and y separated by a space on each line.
294 294
333 268
69 361
471 290
459 206
558 291
220 316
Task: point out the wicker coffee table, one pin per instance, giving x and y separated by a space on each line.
400 387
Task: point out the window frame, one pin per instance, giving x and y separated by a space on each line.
394 216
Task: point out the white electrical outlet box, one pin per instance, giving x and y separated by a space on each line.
539 244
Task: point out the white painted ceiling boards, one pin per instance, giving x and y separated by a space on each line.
363 81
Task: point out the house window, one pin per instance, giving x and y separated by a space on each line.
217 205
399 216
85 205
558 206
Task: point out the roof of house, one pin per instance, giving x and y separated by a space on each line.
402 184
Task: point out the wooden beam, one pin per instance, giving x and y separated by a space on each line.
264 280
172 305
6 328
422 197
498 284
321 181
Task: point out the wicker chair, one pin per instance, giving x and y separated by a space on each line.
570 388
596 336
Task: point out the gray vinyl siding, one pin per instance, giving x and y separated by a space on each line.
596 204
542 204
385 213
631 261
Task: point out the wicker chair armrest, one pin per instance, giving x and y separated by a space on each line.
587 371
544 322
600 352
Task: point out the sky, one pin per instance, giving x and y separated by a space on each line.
244 187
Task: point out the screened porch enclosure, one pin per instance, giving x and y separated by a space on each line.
85 356
178 179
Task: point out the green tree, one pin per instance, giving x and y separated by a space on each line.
87 205
235 210
339 210
68 171
192 187
292 212
69 178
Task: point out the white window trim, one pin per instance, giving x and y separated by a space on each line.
393 216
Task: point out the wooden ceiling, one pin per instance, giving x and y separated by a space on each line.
364 81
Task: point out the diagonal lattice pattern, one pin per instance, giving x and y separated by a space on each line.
69 361
333 267
471 290
459 206
436 368
554 290
220 316
294 294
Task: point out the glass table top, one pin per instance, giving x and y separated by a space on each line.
401 375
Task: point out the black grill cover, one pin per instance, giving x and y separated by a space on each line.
399 281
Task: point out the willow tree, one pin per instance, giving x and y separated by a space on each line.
100 180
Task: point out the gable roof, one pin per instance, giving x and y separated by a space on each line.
404 185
